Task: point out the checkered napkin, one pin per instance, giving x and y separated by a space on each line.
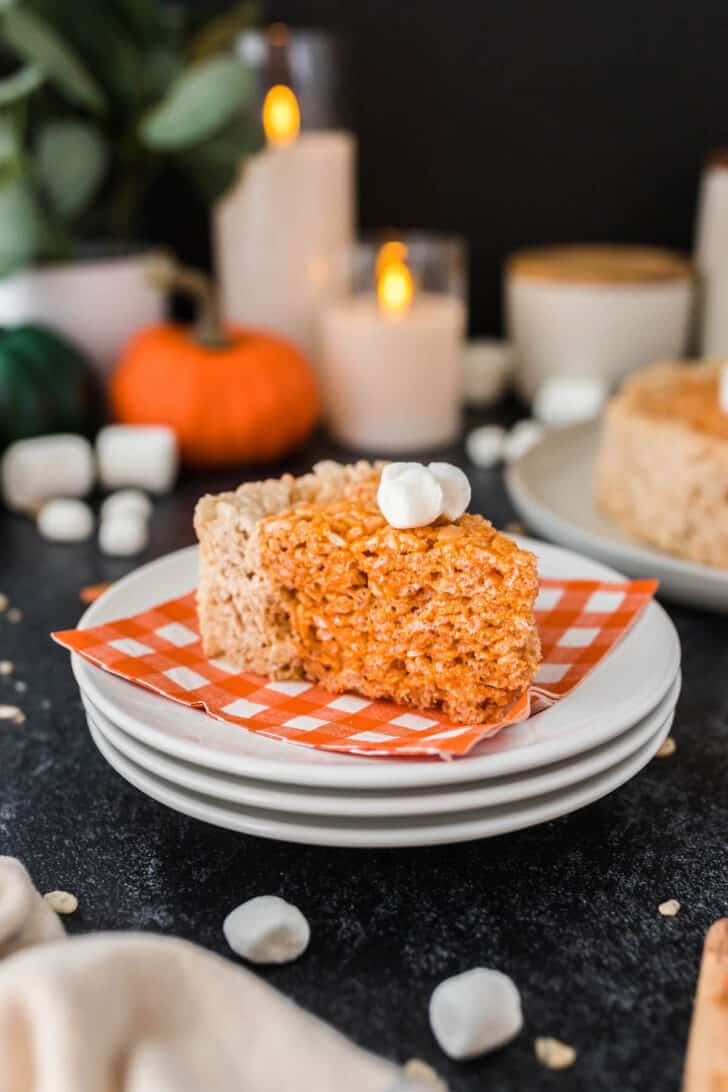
579 621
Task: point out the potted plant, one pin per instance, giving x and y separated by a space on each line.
96 101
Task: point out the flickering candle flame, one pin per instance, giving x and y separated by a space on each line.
281 115
395 286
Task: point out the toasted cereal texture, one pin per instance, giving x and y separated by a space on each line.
241 613
437 617
662 468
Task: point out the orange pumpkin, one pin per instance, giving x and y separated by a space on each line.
232 397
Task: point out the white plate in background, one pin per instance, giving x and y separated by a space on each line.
552 488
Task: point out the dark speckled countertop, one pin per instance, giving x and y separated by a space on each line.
568 909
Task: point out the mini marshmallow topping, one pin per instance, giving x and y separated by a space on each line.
723 388
267 929
475 1012
413 495
456 491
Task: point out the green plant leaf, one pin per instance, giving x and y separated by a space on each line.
201 101
214 166
37 41
71 159
21 84
220 32
11 144
23 230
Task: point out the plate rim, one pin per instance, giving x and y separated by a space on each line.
419 801
399 837
363 772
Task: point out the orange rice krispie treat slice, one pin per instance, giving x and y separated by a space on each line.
437 617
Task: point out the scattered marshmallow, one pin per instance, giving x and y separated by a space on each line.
36 470
475 1012
138 455
65 520
267 929
723 390
554 1054
522 437
670 908
456 491
484 445
126 500
123 534
409 495
568 399
487 369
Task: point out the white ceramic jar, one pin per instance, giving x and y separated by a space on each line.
97 303
598 311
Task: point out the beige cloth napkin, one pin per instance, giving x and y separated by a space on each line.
129 1012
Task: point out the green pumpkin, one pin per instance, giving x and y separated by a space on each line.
46 385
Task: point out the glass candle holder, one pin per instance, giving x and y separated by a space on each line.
277 232
391 345
313 63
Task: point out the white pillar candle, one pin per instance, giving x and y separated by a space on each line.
280 230
393 380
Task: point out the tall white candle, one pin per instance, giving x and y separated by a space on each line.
279 232
393 380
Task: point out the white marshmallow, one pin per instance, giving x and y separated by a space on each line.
568 399
267 929
139 455
456 491
409 495
127 500
522 437
475 1012
123 534
484 445
65 520
487 369
724 388
44 467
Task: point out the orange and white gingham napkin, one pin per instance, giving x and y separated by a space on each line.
579 621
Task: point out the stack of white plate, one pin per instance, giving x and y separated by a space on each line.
590 743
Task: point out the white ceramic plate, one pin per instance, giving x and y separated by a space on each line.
362 802
551 486
380 833
622 689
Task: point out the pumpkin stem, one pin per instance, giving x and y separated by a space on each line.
168 274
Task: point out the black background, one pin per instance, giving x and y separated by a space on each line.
524 121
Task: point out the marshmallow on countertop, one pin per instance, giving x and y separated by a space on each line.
413 495
123 534
723 388
475 1012
484 445
65 520
522 437
569 399
267 929
36 470
126 500
138 455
